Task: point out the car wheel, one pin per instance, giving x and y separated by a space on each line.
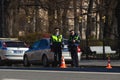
45 61
26 62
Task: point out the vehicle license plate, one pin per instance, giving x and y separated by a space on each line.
65 49
18 51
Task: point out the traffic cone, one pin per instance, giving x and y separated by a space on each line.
63 65
108 64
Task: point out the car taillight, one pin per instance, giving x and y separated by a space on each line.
4 45
78 49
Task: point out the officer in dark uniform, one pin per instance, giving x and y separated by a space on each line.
73 42
56 44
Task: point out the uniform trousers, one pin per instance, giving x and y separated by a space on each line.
74 55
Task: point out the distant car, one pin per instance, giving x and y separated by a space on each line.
40 52
11 51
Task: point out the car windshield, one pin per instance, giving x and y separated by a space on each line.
15 44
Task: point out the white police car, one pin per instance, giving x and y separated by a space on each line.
11 51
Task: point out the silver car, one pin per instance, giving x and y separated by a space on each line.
40 52
11 51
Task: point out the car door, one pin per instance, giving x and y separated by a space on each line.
42 49
47 50
33 51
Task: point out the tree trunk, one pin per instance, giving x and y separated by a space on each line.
118 27
64 18
88 24
76 26
51 15
89 19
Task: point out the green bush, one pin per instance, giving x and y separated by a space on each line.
32 37
95 43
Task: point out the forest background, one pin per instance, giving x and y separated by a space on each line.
96 21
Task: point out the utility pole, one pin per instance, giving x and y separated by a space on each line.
104 19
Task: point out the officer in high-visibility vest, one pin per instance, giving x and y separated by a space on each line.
56 44
73 42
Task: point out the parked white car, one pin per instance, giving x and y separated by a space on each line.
11 51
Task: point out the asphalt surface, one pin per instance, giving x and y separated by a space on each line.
99 63
85 65
62 74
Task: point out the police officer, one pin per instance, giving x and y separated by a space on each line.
56 44
73 42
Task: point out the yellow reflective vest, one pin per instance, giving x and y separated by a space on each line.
56 38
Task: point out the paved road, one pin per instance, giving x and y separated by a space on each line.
114 63
56 74
41 73
83 68
89 70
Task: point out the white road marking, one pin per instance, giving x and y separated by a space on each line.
12 79
46 71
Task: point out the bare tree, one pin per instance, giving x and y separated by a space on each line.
89 18
10 17
28 15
